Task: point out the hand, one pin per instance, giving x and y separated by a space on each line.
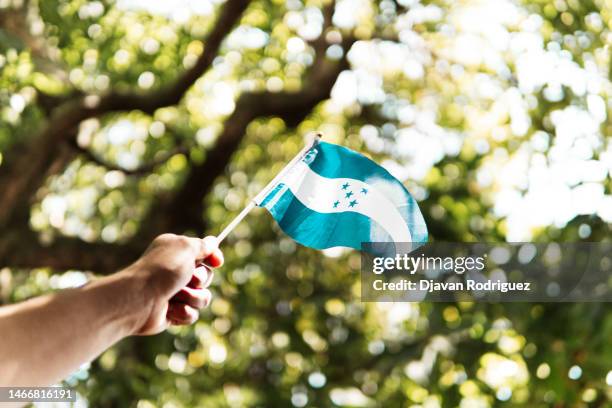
177 271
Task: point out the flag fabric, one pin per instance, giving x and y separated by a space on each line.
333 196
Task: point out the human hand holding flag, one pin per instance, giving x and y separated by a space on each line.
326 196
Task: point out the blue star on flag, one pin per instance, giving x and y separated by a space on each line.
336 204
348 195
345 186
353 203
364 191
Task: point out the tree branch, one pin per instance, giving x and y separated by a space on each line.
182 211
23 249
16 24
21 174
143 169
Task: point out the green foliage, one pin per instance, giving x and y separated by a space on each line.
287 326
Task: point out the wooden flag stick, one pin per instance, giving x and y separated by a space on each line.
230 227
264 192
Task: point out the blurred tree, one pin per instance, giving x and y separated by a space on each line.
122 120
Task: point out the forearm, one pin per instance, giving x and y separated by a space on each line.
45 339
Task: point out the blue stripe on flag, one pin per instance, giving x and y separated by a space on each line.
333 161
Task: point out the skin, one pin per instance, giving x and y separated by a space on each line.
47 338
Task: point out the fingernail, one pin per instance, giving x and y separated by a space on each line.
207 297
210 242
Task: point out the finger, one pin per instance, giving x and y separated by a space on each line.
182 314
199 276
196 298
202 277
210 244
210 274
203 248
215 259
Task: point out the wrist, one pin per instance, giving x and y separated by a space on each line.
129 287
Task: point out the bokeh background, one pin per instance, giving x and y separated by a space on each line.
121 120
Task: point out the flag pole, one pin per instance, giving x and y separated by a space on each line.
261 195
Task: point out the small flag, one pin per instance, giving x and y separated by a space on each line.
332 196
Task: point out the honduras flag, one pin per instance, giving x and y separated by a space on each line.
331 196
